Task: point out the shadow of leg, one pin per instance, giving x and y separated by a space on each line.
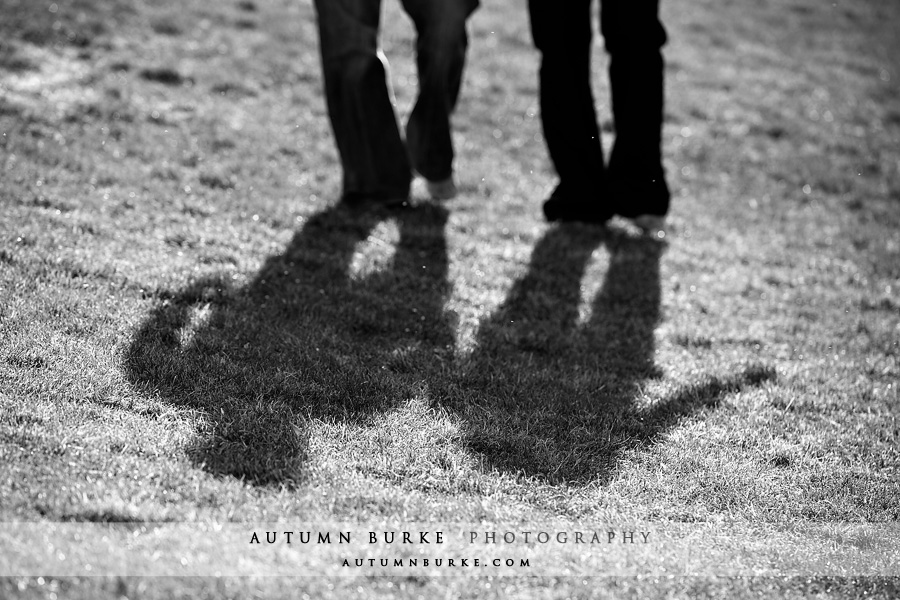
525 377
252 362
544 397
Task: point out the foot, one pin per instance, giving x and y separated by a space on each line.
650 223
445 189
642 201
583 208
371 199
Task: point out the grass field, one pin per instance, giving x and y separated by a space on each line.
191 329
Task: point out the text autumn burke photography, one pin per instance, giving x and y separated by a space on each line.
462 549
437 537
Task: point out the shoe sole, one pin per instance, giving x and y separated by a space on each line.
441 190
649 223
557 211
367 202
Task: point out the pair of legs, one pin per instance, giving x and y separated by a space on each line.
377 164
633 184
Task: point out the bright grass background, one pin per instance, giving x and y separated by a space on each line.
191 329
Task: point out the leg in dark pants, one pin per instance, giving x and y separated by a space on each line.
372 152
633 185
562 33
633 36
441 55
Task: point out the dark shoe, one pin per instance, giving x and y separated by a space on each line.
362 200
584 208
445 189
650 223
640 199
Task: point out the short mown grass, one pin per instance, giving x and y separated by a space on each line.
192 328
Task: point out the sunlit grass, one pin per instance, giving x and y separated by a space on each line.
189 327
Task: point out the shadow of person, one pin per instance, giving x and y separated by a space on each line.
546 392
306 338
562 400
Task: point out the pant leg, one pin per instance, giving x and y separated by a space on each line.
372 152
440 58
633 36
562 33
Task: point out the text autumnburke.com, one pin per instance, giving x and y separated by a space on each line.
438 537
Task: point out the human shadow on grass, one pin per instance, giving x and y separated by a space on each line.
304 339
313 336
553 395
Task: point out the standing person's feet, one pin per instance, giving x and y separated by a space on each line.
644 202
359 200
576 206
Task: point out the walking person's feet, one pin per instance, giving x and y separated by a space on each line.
444 189
650 223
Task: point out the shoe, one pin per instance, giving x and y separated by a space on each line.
360 200
562 207
650 223
445 189
642 201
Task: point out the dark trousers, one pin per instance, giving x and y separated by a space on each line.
633 183
373 155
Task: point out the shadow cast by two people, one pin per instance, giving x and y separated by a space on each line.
541 394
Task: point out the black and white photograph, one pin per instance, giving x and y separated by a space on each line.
427 299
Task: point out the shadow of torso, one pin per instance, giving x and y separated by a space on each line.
542 393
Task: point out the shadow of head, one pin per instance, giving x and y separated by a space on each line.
308 337
551 389
556 391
